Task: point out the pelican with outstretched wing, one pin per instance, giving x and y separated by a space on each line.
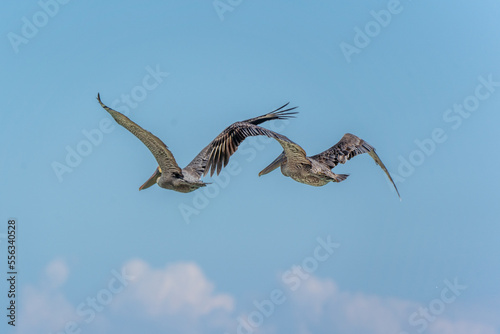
315 170
170 176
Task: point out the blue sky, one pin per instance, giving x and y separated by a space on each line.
418 80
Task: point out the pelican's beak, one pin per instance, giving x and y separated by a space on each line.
152 180
273 165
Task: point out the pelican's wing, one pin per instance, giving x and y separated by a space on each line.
350 146
162 154
198 167
381 164
275 114
225 144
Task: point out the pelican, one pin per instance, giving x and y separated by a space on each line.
170 176
314 170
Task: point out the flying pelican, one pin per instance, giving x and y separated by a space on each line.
170 176
314 170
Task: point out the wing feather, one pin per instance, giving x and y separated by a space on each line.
235 134
348 147
275 114
160 151
221 149
198 165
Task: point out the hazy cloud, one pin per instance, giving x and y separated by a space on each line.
319 306
180 298
45 307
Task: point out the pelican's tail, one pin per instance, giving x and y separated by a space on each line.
340 177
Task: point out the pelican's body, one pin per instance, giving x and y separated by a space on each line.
170 176
315 174
184 183
316 170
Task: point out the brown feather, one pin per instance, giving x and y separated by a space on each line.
160 151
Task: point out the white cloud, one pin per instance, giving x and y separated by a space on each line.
179 288
320 303
176 298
